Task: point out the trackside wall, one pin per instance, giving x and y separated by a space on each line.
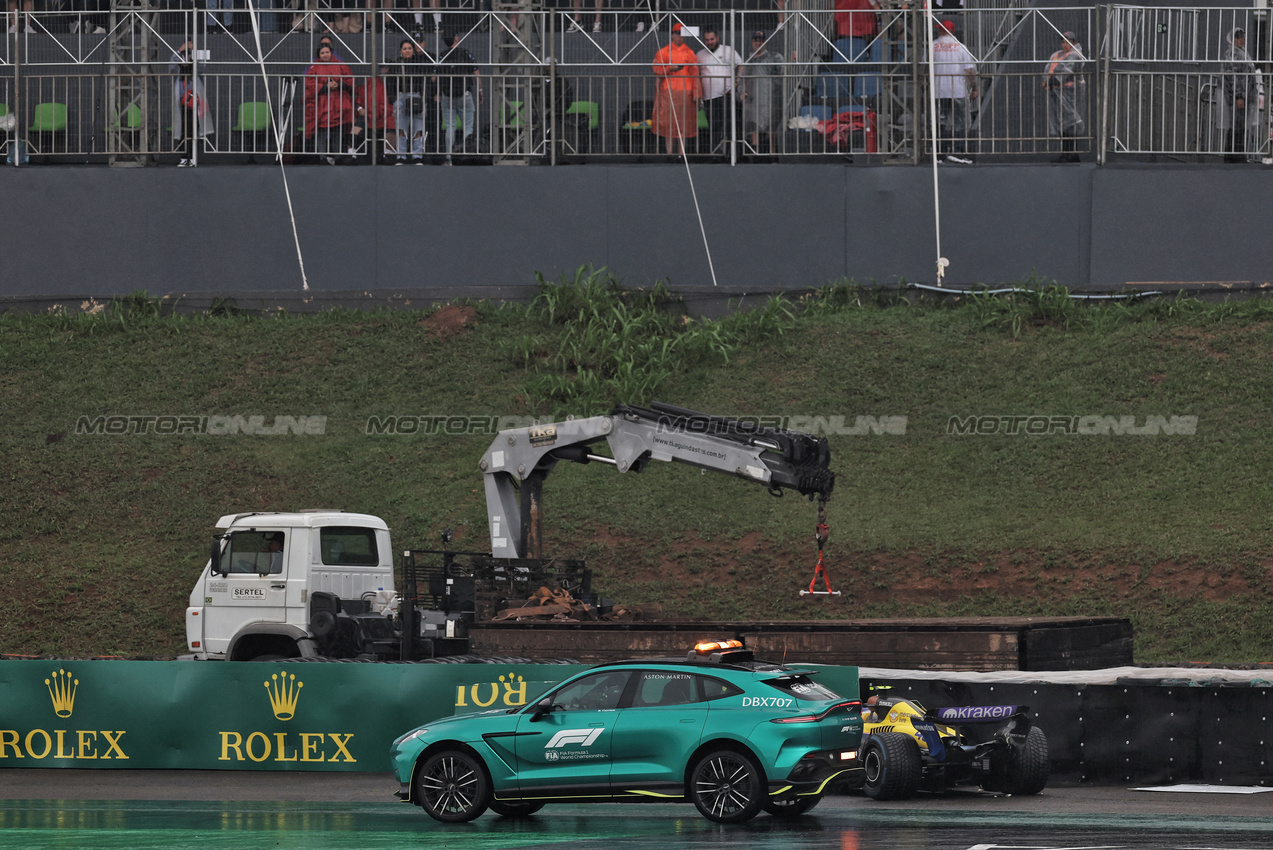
73 231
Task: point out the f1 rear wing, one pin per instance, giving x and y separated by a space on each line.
976 714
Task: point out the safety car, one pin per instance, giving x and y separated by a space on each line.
718 728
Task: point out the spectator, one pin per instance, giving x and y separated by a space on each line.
459 92
412 97
955 78
857 19
28 6
718 65
761 86
1242 98
577 26
1065 86
329 106
328 41
227 18
190 117
676 104
376 113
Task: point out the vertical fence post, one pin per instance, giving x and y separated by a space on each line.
1103 80
19 142
917 122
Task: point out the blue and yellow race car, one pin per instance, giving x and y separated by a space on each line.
909 748
731 734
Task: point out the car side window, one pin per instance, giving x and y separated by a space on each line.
713 688
598 692
663 687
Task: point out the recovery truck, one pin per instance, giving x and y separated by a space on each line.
320 584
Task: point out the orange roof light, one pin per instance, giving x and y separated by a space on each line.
717 645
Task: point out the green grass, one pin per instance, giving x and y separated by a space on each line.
105 535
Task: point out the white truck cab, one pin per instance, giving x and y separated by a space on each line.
252 601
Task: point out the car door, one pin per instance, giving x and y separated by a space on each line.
655 733
565 752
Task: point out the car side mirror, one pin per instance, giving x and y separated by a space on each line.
544 706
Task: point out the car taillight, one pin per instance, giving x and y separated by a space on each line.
814 718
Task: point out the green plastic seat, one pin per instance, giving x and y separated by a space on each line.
514 114
130 118
48 118
586 107
254 117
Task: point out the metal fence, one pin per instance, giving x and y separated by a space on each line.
577 83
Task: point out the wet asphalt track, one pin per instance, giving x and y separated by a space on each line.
212 810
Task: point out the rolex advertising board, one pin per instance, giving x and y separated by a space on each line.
239 716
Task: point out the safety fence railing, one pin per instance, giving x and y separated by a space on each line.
1188 82
579 82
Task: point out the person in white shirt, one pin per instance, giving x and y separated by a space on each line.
955 78
718 65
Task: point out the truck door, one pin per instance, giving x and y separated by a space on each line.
252 587
565 753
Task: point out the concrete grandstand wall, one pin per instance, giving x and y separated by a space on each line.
91 231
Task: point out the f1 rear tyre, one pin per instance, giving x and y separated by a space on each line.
452 787
1028 772
727 786
892 766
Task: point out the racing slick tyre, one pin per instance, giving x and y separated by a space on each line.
790 807
516 808
451 786
1028 772
892 766
727 786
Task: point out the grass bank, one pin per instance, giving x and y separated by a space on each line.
1022 455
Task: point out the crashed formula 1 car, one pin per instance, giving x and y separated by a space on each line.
907 748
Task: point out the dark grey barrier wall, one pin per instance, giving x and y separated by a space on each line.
97 231
1146 734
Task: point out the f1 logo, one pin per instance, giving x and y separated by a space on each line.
583 737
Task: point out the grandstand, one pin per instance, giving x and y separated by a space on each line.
566 171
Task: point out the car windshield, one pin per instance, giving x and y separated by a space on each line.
802 687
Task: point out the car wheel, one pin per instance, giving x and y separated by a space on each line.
727 786
516 809
791 806
452 787
1028 772
892 766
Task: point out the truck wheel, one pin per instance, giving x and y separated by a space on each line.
790 807
1028 771
452 786
727 786
893 767
516 809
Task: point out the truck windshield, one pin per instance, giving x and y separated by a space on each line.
254 552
